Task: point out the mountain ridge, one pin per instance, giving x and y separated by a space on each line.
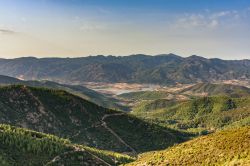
79 90
130 55
139 68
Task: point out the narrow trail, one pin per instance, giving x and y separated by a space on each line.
99 159
76 149
59 157
104 124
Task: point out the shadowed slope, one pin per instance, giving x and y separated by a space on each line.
65 115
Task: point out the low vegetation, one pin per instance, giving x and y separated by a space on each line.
145 95
229 147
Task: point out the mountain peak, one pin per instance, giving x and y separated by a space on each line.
196 57
170 55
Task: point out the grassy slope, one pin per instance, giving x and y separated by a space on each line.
152 105
144 95
240 123
25 147
65 115
229 147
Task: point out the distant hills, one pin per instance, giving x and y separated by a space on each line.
200 108
63 114
198 114
209 89
79 90
199 89
204 107
229 147
161 98
160 69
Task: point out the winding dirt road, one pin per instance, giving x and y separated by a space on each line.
104 124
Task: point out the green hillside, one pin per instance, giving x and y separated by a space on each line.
25 147
78 90
145 95
68 116
229 147
240 123
152 105
206 113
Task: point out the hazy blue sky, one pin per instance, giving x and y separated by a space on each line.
70 28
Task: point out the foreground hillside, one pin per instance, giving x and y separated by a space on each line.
68 116
20 147
230 147
160 69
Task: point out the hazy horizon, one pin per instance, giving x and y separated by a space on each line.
77 28
64 57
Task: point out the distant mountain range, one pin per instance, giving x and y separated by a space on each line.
160 69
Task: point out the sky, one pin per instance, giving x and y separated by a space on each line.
75 28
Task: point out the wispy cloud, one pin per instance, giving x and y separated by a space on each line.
190 21
88 24
7 31
91 26
206 19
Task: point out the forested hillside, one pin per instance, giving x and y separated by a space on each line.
25 147
79 90
68 116
198 114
